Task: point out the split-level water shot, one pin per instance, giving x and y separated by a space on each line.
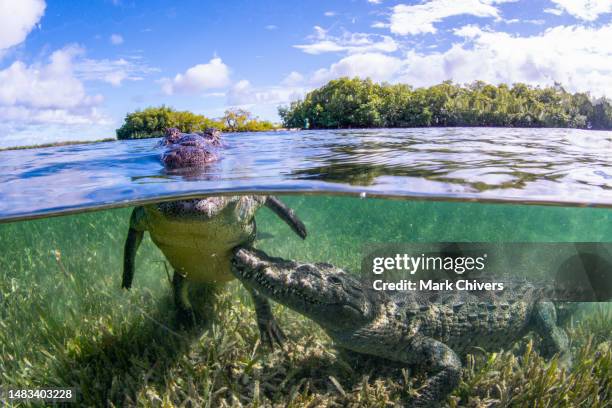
367 203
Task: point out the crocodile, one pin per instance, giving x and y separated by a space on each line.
189 150
424 330
197 235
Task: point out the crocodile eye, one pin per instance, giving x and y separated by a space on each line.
334 279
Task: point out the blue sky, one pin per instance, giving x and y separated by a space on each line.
71 70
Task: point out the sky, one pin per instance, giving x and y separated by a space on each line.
71 70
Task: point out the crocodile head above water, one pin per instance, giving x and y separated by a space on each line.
197 235
189 150
327 294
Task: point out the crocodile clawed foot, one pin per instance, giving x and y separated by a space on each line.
271 334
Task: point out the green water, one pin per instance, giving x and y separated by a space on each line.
65 320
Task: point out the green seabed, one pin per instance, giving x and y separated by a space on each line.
65 321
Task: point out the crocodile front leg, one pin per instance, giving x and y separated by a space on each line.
184 310
287 215
269 331
439 360
132 242
554 338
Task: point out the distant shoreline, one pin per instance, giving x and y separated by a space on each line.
356 102
58 144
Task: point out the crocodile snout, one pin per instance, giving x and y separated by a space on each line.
189 150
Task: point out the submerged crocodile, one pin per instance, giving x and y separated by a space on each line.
197 236
403 326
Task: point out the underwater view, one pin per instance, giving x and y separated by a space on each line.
66 320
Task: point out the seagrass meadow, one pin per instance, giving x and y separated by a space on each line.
64 321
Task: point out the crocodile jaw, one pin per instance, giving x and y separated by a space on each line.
326 294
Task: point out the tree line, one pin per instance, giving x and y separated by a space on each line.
152 122
362 103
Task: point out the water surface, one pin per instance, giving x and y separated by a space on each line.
548 166
60 277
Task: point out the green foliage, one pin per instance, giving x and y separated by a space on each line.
240 120
152 121
361 103
507 380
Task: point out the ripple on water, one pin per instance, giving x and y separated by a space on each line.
553 166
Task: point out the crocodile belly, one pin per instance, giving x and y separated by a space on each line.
201 251
200 266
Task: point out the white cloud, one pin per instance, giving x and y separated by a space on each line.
578 57
588 10
17 19
319 33
329 13
271 27
214 74
116 39
46 94
366 56
113 72
380 24
468 31
378 67
322 42
374 1
294 78
27 116
245 95
555 11
420 18
45 86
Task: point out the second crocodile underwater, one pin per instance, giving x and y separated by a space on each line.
404 327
